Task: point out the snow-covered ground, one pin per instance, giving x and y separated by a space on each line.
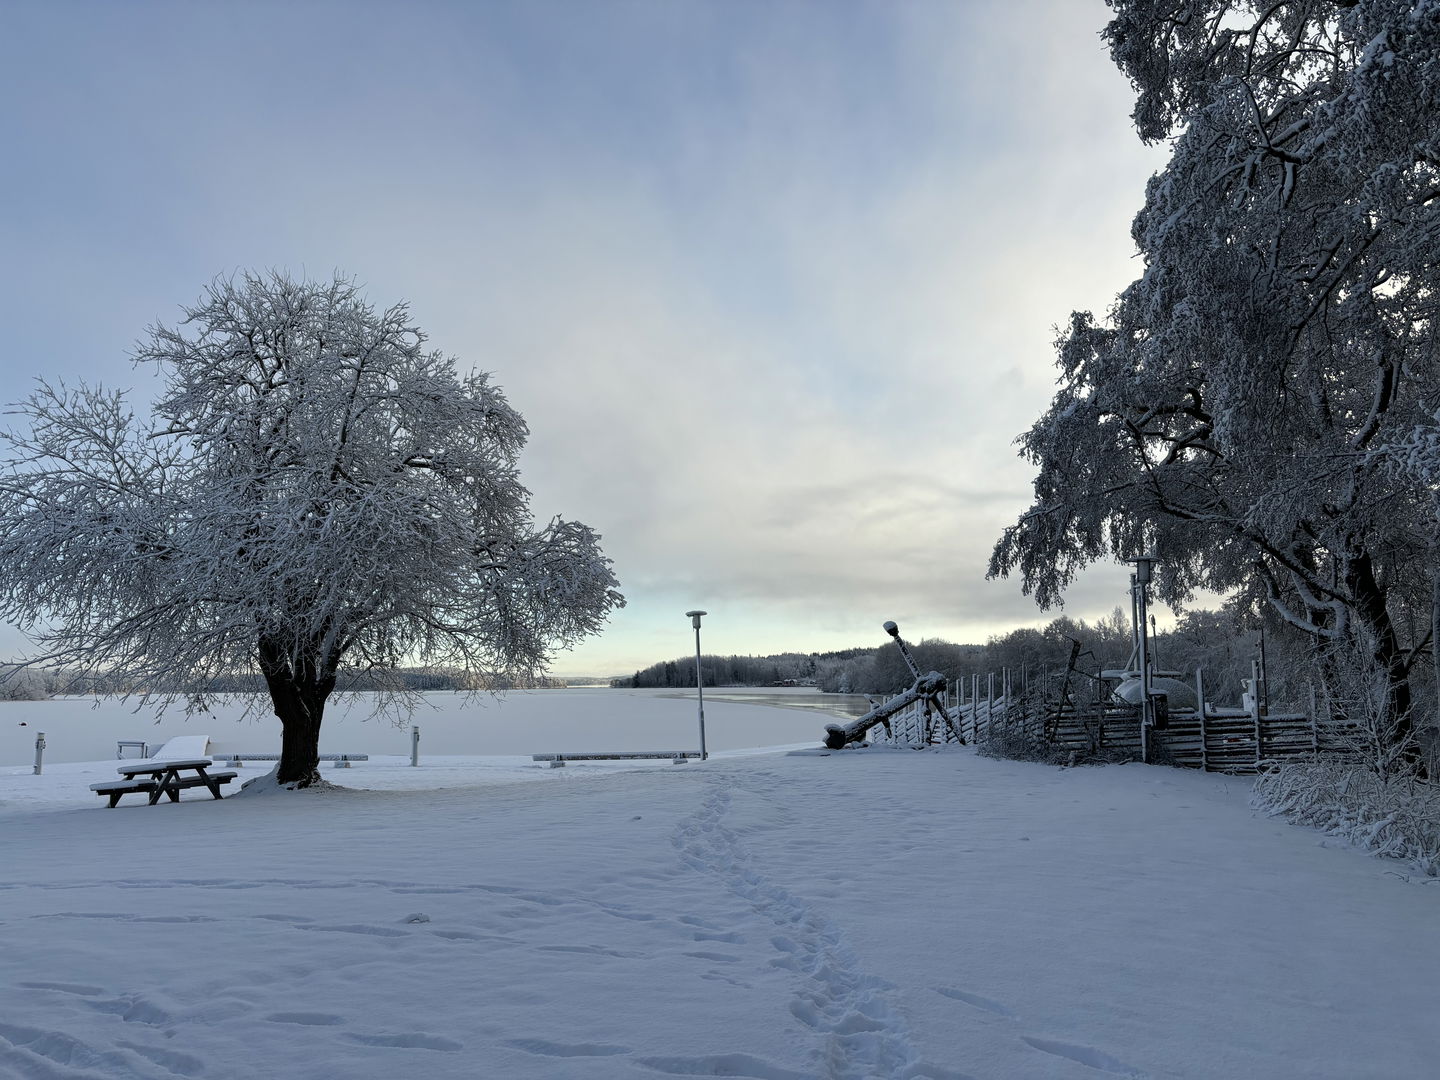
767 914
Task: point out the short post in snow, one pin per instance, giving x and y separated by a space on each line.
39 751
415 746
699 679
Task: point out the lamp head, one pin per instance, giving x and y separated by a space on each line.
892 629
1143 566
695 618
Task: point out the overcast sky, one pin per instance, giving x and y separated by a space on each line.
773 283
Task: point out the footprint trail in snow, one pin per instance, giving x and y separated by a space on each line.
860 1035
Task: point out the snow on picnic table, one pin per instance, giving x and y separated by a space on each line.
863 914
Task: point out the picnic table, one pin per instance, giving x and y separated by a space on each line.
156 778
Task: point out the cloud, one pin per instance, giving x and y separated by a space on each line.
772 284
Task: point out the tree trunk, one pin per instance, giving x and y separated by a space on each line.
1397 726
1435 643
299 736
299 688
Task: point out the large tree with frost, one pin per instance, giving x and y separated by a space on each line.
1237 410
315 490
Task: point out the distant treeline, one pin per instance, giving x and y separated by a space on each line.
1223 642
31 684
794 669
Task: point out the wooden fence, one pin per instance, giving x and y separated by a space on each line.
1215 739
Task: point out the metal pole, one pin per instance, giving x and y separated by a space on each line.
1147 716
1140 588
1200 712
1135 622
415 746
1264 694
39 751
1144 655
1255 709
700 693
699 680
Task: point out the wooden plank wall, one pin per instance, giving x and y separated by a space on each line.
1219 740
1229 741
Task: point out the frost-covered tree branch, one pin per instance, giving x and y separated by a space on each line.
1234 411
315 490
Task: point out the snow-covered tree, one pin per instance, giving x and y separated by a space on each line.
1232 413
315 491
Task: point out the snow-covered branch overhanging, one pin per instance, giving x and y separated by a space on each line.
1240 409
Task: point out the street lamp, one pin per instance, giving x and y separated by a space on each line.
699 680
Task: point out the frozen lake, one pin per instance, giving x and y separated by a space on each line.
522 722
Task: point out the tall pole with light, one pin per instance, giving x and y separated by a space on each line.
699 680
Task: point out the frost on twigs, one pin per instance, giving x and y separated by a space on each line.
315 492
1391 816
1368 788
1234 411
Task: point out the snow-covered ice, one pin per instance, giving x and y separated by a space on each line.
528 722
767 914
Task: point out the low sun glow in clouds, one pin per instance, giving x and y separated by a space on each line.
773 284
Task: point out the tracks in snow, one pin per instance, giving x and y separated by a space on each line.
860 1034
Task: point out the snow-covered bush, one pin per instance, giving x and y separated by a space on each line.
1355 718
1393 816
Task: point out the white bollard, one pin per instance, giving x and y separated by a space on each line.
415 745
39 751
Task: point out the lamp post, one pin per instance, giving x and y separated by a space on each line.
699 679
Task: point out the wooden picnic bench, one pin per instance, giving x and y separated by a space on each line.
557 761
157 778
